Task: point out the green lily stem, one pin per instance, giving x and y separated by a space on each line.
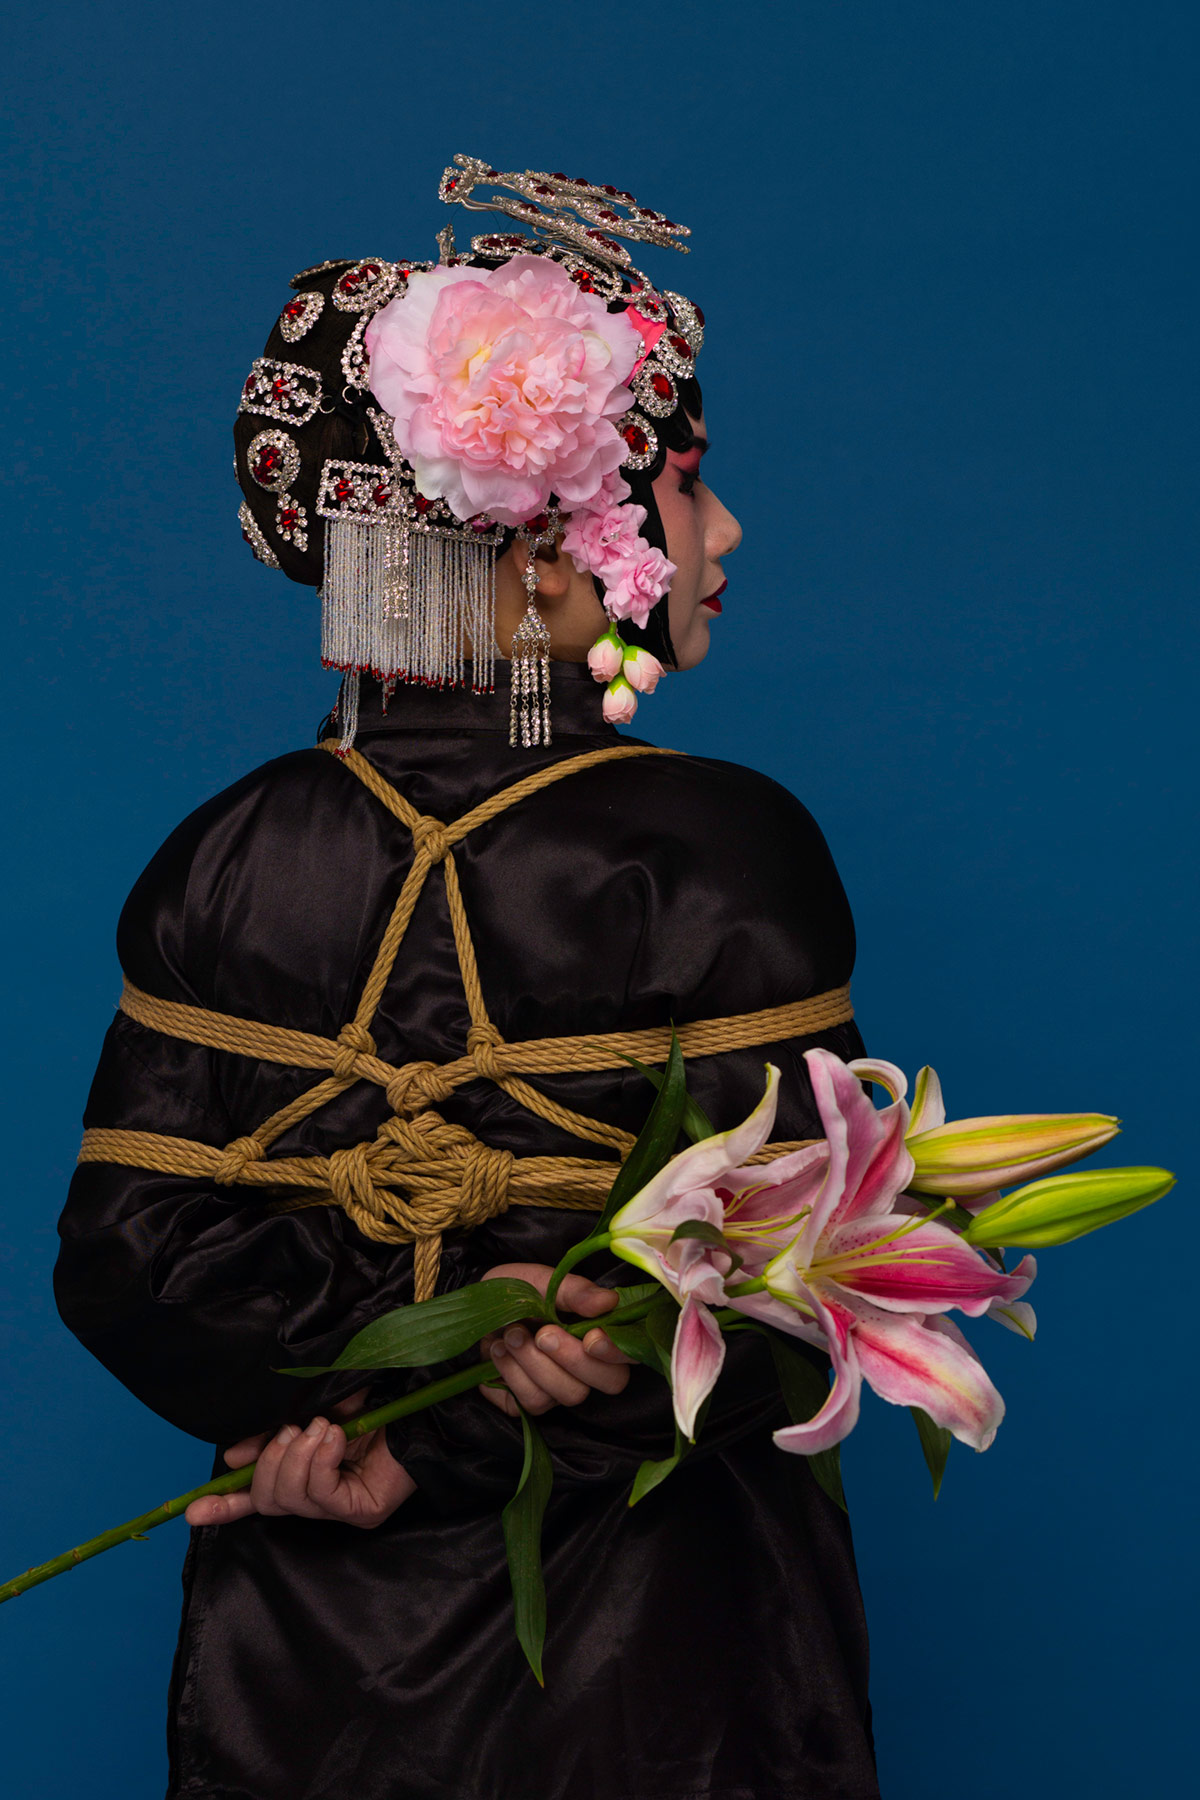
756 1286
429 1395
575 1254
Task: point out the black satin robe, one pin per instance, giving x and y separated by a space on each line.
706 1645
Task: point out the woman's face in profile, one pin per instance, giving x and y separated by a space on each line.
699 532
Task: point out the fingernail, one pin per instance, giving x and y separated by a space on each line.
287 1434
514 1337
329 1435
604 1348
316 1428
548 1339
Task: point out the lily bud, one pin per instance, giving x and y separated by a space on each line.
606 655
642 670
968 1157
620 702
1066 1207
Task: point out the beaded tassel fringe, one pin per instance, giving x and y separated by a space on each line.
404 602
529 711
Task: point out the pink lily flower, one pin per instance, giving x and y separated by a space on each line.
685 1192
861 1278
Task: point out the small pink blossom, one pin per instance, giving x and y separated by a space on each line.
606 656
638 584
642 670
601 542
503 386
620 702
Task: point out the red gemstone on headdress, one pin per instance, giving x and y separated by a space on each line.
606 212
251 383
293 309
381 495
557 175
698 313
288 518
343 490
452 184
269 459
540 187
680 346
636 438
422 505
538 523
281 386
608 188
670 225
622 195
583 281
491 174
662 387
527 206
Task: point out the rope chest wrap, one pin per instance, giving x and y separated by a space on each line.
421 1175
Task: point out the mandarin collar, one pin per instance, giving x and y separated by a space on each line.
576 701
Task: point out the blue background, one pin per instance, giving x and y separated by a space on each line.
948 262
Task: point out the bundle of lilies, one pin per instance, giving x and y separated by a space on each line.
860 1244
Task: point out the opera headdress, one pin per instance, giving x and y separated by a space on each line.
443 407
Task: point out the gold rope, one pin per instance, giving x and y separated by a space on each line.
421 1176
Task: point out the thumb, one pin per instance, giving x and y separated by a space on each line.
579 1295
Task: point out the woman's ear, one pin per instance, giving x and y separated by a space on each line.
554 572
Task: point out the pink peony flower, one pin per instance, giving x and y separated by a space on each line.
601 542
620 702
638 584
642 670
606 656
503 386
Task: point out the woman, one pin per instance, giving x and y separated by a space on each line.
709 1643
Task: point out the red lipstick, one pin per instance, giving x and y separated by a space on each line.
713 601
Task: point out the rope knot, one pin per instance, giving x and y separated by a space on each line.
351 1184
233 1160
353 1041
416 1086
430 835
483 1042
484 1190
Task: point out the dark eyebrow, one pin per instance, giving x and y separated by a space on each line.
698 444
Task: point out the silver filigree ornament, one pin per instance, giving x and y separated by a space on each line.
300 315
273 459
365 285
529 702
254 537
281 390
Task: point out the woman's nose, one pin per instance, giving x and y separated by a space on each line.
724 534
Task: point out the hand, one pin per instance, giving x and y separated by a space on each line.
313 1474
550 1367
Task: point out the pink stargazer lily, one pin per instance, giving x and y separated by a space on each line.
685 1191
859 1277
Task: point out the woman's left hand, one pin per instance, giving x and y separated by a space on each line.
549 1367
313 1474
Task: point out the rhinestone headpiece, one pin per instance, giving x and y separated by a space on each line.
404 580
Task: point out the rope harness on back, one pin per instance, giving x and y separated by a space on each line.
420 1175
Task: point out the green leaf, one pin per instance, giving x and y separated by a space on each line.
655 1145
634 1340
522 1521
632 1292
696 1123
935 1442
805 1390
651 1474
412 1337
661 1322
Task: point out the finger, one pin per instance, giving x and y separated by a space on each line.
220 1509
598 1344
327 1486
562 1387
295 1469
569 1355
579 1295
247 1450
500 1396
262 1488
532 1397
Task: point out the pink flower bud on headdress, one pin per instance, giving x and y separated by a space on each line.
503 385
606 656
620 702
642 670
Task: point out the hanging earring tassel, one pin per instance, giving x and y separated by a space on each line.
529 707
346 712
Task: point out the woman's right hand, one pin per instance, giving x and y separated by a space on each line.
313 1474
